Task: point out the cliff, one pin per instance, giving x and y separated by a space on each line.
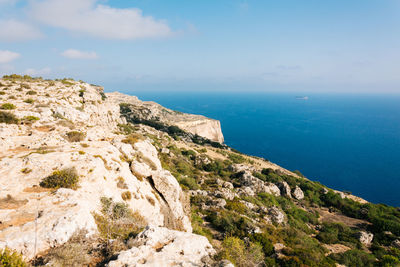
95 179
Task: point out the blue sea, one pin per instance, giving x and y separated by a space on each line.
347 142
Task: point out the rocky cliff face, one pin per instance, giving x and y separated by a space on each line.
151 111
67 124
94 179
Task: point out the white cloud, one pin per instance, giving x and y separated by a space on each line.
7 56
14 30
76 54
88 17
35 72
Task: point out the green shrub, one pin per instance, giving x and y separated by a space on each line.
2 93
189 183
31 92
26 86
354 258
8 106
75 136
240 254
30 118
230 223
118 221
29 100
10 258
65 178
235 158
132 139
7 117
126 128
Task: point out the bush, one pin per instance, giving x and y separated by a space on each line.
235 158
75 136
126 195
75 252
236 251
354 258
7 106
31 92
10 258
30 118
29 100
118 221
7 117
132 139
66 178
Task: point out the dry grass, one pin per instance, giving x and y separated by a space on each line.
18 219
126 196
37 189
133 138
335 217
45 128
9 202
75 136
121 183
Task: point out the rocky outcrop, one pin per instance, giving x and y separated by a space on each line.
298 193
275 215
285 189
142 111
107 167
365 238
157 246
253 185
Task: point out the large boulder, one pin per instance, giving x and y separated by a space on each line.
365 238
298 193
158 246
285 189
275 215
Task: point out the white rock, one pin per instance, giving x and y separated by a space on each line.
157 246
298 193
365 237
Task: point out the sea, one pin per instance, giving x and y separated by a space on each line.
349 142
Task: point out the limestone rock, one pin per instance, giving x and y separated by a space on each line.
285 189
157 246
276 215
298 193
396 243
225 193
365 237
150 111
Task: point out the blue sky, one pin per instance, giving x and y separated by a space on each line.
235 45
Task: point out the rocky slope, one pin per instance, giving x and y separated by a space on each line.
94 179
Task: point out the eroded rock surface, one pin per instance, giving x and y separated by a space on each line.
157 246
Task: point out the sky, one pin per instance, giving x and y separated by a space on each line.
208 45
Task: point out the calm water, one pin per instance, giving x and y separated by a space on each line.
347 142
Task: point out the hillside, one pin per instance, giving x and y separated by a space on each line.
89 178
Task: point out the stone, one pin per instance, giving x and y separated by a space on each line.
396 243
298 193
225 193
225 263
272 189
218 203
158 246
276 215
285 189
365 238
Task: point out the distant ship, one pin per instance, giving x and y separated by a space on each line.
302 97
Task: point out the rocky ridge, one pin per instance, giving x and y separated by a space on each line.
156 187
